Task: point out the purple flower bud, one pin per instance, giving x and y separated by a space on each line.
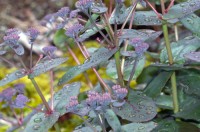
73 14
84 4
11 38
50 18
139 50
32 33
19 88
105 99
74 30
49 50
73 105
63 12
12 31
119 93
7 94
21 101
93 99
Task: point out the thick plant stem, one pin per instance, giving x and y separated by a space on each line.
174 93
117 59
118 66
167 43
40 94
173 77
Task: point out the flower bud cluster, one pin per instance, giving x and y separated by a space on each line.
8 94
49 51
119 93
12 36
73 104
32 33
84 4
74 30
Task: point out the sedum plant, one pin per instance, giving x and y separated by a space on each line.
166 94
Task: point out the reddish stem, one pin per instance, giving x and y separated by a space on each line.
159 16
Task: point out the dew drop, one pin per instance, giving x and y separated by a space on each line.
141 128
37 120
182 4
36 127
190 21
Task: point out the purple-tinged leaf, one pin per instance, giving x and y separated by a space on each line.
88 129
98 8
41 122
18 48
46 66
89 32
62 97
118 104
119 14
2 52
179 48
99 56
138 108
181 10
193 56
13 76
139 127
146 18
128 53
146 35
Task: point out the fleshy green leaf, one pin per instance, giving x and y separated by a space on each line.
181 10
112 120
13 76
41 122
189 80
138 108
101 55
62 97
190 109
165 102
146 35
46 66
154 88
139 127
112 72
180 48
173 126
192 22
